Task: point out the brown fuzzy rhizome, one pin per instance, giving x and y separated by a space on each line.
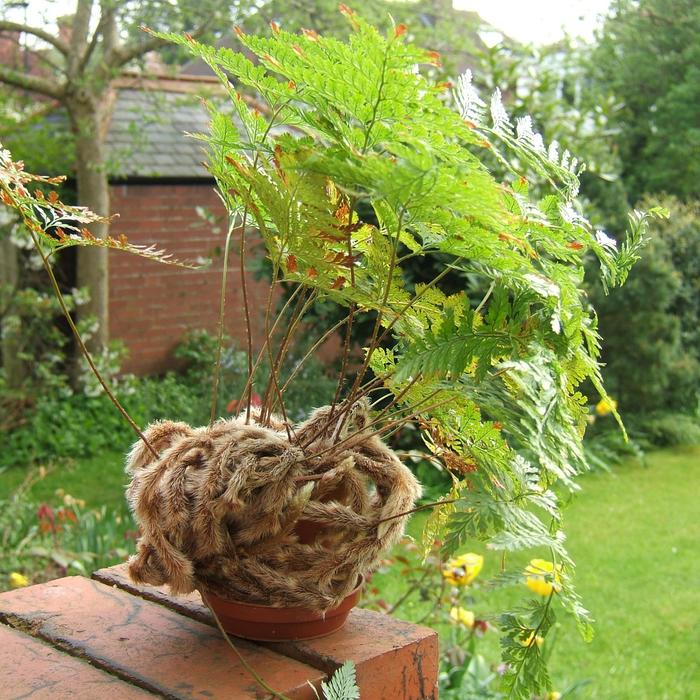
267 513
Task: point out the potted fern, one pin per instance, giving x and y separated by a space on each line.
261 510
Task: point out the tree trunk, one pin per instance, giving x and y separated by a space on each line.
93 192
9 271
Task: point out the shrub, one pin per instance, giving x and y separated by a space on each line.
652 326
667 429
62 423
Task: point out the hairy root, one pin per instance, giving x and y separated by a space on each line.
243 511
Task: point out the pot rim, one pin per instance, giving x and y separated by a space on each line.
251 608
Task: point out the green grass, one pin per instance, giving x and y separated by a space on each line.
97 480
634 534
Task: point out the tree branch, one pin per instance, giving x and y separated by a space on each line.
121 56
105 26
79 36
32 83
35 31
42 57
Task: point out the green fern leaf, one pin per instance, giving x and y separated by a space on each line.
342 685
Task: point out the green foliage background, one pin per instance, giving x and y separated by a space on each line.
648 57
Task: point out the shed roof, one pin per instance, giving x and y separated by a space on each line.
151 116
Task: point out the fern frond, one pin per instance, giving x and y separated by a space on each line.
342 685
58 225
471 106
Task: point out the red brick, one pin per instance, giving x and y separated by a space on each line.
395 660
151 299
30 668
190 605
148 644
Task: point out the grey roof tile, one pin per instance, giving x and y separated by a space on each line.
146 136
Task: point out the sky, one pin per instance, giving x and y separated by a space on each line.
539 21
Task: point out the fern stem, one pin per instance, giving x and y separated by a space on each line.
378 321
263 350
390 426
377 102
311 352
417 298
83 349
222 311
482 303
272 379
397 397
246 313
344 360
244 288
256 676
365 146
351 313
396 425
417 509
289 334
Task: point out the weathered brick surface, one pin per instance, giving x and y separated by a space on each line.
190 605
395 660
152 305
148 644
30 668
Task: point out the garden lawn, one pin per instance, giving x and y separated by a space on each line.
97 480
634 534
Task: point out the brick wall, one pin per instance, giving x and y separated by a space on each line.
152 305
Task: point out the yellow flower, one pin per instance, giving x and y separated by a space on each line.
462 570
554 695
542 578
528 640
605 406
462 617
18 580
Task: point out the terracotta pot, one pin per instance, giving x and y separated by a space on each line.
310 532
264 623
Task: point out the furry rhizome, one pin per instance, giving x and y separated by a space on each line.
219 507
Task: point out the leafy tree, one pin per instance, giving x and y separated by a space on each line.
648 58
652 326
77 71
